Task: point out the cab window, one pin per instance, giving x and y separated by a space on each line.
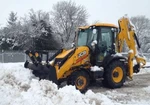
82 37
106 36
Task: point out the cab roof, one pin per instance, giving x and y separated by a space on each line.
84 27
99 24
104 24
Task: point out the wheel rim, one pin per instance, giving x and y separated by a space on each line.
117 74
81 82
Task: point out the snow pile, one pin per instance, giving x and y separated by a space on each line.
118 54
147 64
147 89
96 68
19 87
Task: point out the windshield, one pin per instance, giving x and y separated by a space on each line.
106 35
82 37
86 36
92 35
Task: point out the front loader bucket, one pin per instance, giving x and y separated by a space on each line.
43 71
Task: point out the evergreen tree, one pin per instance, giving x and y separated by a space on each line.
46 40
12 18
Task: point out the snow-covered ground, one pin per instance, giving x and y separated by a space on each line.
19 87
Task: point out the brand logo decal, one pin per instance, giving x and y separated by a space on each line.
81 54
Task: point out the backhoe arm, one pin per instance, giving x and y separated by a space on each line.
127 34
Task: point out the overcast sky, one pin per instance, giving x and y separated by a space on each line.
102 10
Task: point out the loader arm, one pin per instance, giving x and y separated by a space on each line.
127 34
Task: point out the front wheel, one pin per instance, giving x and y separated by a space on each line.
80 80
115 75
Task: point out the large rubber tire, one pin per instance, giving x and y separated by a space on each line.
114 75
79 79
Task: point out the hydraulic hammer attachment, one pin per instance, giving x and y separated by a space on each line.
43 71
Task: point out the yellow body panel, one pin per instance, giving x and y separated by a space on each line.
80 57
64 53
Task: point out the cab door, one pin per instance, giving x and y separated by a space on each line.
105 43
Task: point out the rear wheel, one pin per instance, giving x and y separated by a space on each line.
115 75
80 80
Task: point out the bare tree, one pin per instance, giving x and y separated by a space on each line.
95 22
66 17
142 25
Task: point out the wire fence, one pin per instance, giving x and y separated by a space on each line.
15 56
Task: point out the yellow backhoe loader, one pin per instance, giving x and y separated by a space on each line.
95 55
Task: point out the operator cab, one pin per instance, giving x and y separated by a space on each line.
100 38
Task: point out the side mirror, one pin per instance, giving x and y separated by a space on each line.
72 45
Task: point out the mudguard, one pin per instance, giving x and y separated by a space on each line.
109 58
